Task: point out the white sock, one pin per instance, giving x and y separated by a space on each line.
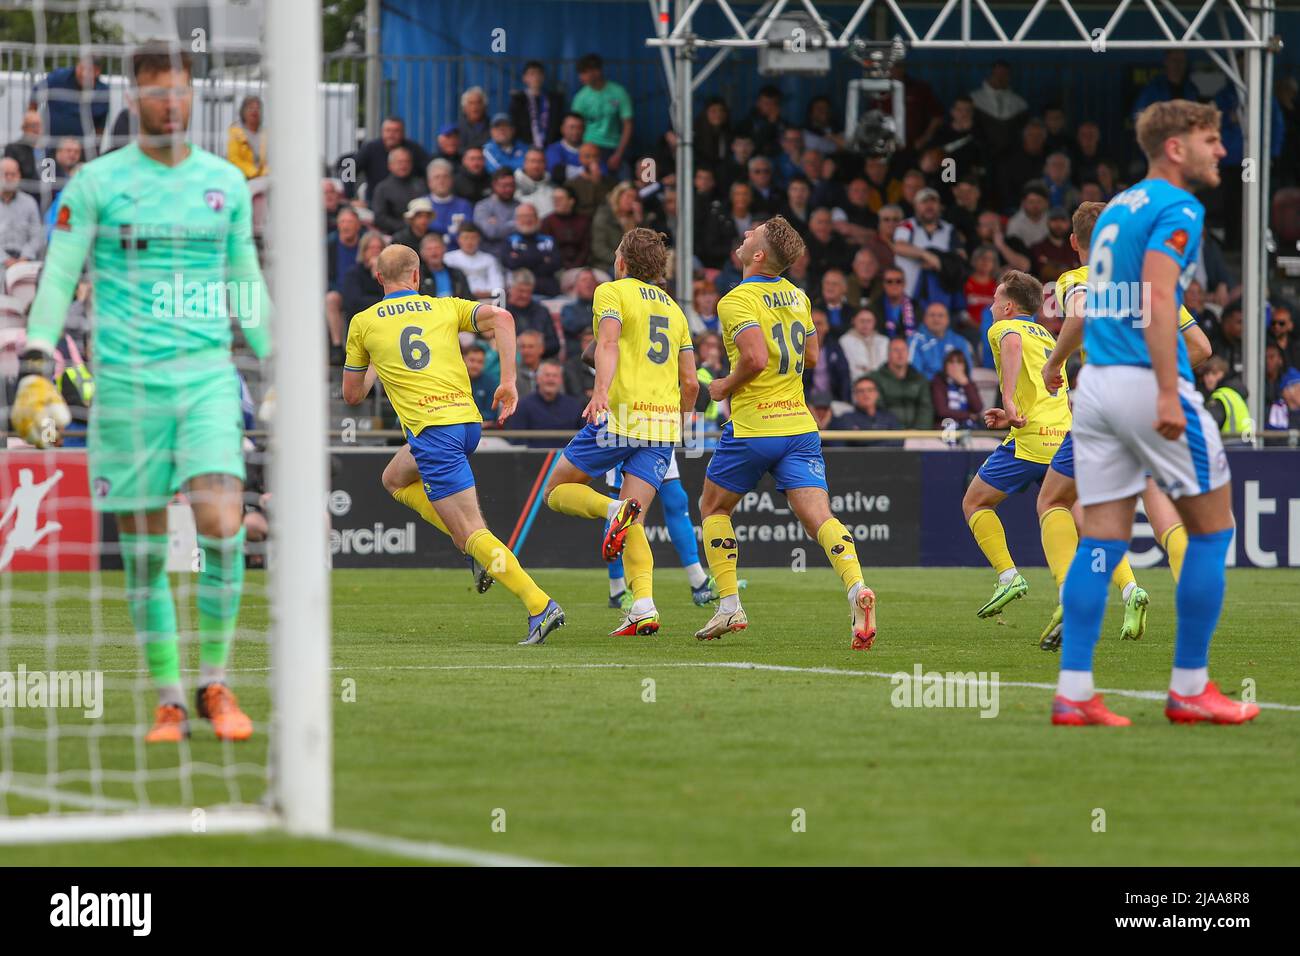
612 509
171 694
853 594
642 606
696 575
211 674
1128 589
1075 685
1189 681
1006 576
617 586
729 604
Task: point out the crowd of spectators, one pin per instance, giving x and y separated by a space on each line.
524 202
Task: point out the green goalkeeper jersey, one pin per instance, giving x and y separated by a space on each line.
172 264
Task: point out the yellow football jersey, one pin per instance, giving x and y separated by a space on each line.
1075 281
1047 415
645 399
413 341
771 403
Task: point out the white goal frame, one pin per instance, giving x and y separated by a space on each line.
300 760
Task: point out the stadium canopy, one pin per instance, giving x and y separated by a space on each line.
1219 28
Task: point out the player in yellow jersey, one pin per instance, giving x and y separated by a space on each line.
1057 509
413 343
1039 420
645 383
768 330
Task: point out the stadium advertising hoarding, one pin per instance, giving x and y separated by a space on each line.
1266 503
46 522
903 507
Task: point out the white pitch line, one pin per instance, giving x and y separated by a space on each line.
428 851
722 665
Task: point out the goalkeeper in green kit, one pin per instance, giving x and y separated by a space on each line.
168 228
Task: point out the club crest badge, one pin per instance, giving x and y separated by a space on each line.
216 199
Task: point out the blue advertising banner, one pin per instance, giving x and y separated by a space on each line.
1266 501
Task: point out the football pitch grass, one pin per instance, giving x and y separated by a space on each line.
665 750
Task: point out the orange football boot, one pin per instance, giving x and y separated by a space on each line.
216 702
170 725
616 534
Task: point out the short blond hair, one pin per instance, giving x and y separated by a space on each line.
783 242
1083 221
1159 121
396 263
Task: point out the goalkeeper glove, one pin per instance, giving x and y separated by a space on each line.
39 414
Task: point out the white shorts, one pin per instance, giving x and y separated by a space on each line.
1116 445
614 477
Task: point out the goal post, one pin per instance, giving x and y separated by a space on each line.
302 745
69 779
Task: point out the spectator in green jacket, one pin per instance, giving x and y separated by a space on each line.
903 390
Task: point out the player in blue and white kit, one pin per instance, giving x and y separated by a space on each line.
1138 411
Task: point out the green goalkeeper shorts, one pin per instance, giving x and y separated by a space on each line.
146 439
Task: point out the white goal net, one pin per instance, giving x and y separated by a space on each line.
162 561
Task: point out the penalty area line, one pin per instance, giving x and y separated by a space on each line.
775 668
718 665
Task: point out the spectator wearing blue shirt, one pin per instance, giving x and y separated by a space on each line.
986 323
934 340
439 279
1173 84
482 381
528 248
503 151
547 407
63 96
834 301
576 317
562 162
449 210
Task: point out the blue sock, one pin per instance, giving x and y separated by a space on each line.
615 566
1083 599
1199 597
677 516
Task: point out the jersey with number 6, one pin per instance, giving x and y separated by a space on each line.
772 402
1151 216
1074 282
645 399
413 341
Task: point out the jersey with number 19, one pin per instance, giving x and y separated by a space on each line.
771 428
1115 440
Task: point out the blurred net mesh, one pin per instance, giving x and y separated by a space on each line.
64 621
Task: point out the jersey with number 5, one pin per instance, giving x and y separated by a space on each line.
645 399
414 343
1151 216
772 402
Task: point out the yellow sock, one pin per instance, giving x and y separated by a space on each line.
838 545
487 549
413 497
1175 544
720 548
583 501
1123 575
992 540
638 563
1060 541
